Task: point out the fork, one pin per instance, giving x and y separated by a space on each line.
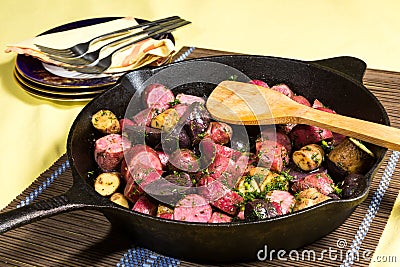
90 57
100 65
81 48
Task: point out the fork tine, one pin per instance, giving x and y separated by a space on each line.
81 48
104 63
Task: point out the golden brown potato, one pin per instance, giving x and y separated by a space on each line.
309 157
166 120
308 198
274 181
350 156
259 172
107 183
106 122
247 184
119 199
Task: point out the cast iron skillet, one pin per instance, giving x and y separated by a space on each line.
336 82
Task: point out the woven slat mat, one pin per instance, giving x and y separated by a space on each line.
86 238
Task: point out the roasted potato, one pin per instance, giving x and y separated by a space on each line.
308 198
309 157
353 185
165 120
259 209
274 181
119 199
106 122
247 184
350 156
107 183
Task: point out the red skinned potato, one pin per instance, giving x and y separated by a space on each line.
221 162
280 137
229 203
210 188
219 195
218 217
271 155
138 178
283 198
302 135
142 155
139 155
317 104
193 208
109 151
126 122
284 89
145 205
144 117
189 99
157 96
301 100
181 109
259 83
320 181
184 160
219 132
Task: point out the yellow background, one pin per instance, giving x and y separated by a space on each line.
33 131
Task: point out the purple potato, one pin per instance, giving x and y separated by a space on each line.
259 209
143 134
353 185
171 189
196 121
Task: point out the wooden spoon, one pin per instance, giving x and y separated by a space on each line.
248 104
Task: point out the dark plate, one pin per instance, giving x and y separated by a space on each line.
32 69
42 92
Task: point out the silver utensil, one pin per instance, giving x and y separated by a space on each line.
81 48
90 57
100 65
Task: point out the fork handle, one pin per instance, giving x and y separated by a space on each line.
142 25
153 33
149 30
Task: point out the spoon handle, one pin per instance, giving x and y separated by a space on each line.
371 132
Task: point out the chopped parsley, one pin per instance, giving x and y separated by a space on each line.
175 102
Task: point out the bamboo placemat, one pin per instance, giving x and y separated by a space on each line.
86 238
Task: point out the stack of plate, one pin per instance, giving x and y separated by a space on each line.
33 77
55 83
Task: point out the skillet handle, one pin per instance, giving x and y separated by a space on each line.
351 67
73 199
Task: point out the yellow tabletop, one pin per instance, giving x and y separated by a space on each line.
34 131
